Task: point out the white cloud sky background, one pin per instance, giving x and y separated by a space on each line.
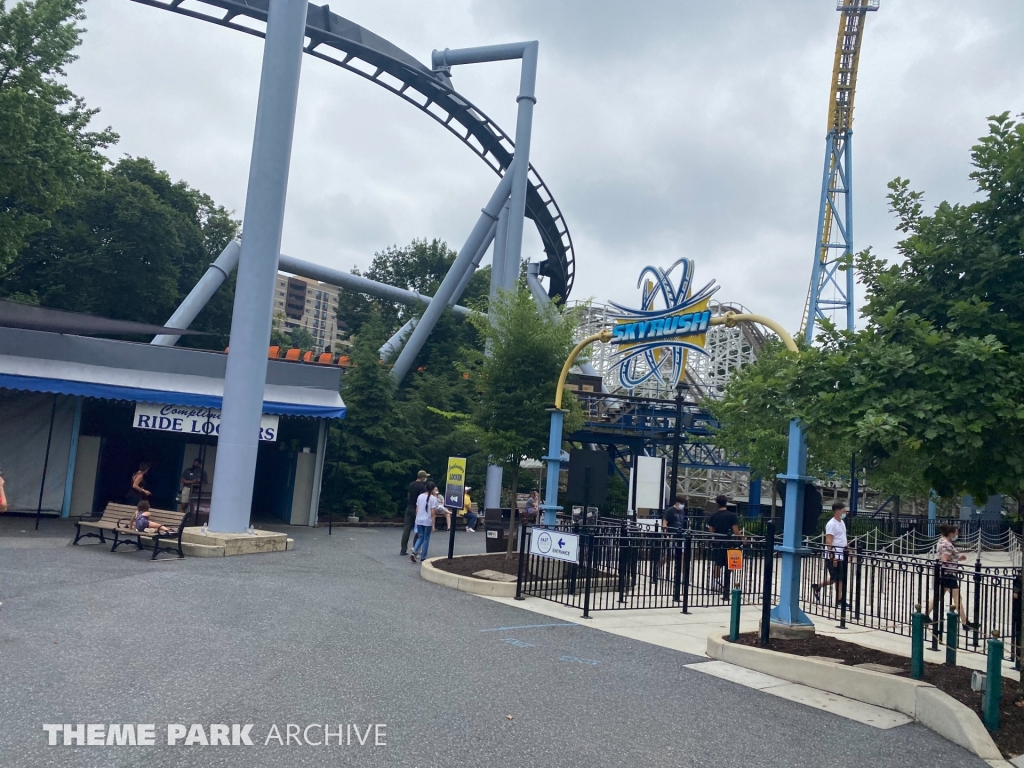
663 128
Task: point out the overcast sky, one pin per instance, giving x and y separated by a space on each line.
664 129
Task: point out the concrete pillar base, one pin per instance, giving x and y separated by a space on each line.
196 543
780 631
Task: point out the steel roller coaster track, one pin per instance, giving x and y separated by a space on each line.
349 46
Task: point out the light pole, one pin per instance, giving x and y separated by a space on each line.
681 389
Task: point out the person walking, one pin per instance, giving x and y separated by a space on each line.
725 525
416 487
426 506
467 508
192 481
138 491
671 525
835 556
3 495
949 573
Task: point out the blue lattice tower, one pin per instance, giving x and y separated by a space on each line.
830 295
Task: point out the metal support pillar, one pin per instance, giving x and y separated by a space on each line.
554 467
203 291
246 373
536 287
524 131
461 289
498 257
836 180
788 613
754 494
932 512
492 487
488 215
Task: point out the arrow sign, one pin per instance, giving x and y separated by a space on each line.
543 544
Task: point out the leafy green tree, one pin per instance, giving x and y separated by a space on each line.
301 338
46 151
517 380
370 452
936 379
129 246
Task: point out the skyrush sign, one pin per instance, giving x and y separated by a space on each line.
662 328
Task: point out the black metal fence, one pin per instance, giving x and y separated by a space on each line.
624 567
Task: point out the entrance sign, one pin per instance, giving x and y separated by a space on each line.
653 343
735 559
555 545
455 483
191 420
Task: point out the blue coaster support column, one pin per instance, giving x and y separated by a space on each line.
787 613
554 467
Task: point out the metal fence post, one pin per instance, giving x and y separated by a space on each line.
687 565
977 597
917 643
734 615
952 631
993 683
858 575
766 596
677 576
623 563
522 562
937 607
588 575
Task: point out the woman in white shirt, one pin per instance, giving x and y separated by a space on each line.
426 504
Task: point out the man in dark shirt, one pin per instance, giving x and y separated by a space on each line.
192 481
726 526
416 487
672 517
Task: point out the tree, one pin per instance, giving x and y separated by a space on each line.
937 375
370 446
46 151
301 338
130 246
517 380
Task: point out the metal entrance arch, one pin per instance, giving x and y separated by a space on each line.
387 65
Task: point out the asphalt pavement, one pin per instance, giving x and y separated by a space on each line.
344 631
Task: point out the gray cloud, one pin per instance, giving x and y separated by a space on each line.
664 129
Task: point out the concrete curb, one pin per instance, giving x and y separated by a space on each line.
466 583
921 701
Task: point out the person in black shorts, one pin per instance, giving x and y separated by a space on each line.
726 527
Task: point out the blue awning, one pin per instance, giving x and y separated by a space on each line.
283 400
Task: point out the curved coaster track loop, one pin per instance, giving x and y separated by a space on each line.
354 48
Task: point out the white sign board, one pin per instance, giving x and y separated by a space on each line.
192 420
556 545
647 483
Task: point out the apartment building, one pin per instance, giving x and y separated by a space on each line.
308 304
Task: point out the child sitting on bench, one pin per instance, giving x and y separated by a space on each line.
143 524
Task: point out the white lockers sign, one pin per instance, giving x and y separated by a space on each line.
647 483
190 420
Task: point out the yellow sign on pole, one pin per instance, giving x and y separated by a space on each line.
455 482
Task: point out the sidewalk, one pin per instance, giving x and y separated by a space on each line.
669 628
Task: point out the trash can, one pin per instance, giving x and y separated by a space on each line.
496 522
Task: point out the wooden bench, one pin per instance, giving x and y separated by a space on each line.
117 519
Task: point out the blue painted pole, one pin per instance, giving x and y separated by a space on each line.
932 513
787 613
754 497
554 466
76 428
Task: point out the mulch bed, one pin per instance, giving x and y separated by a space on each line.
954 681
470 564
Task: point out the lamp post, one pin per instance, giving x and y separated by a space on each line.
681 389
